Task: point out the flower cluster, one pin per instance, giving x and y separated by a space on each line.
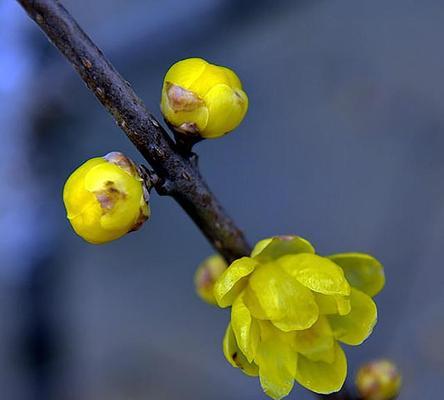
290 308
105 198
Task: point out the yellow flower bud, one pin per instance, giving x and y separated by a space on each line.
105 199
206 275
378 380
202 99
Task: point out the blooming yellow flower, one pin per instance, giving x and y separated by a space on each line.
202 99
104 198
290 308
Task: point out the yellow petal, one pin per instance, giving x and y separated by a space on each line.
233 280
335 304
245 328
211 76
184 73
226 110
343 304
195 117
111 179
261 245
75 196
286 302
277 366
322 377
234 355
87 225
233 79
275 247
317 273
327 304
253 304
356 326
316 343
362 271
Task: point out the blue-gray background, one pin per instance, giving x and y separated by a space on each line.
343 144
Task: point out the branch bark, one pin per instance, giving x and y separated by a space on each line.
179 176
178 172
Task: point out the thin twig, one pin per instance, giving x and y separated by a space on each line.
177 171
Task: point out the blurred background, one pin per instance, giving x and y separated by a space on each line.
343 144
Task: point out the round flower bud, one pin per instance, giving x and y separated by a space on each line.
105 198
201 99
378 380
206 275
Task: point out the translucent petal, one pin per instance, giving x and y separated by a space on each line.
335 304
211 76
253 304
233 79
226 109
87 225
259 246
277 366
184 73
317 273
356 326
343 304
286 302
316 343
125 190
197 117
75 196
234 355
245 328
362 271
322 377
327 304
233 281
272 248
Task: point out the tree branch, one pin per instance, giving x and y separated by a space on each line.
179 176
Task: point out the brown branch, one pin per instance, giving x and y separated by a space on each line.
179 176
177 171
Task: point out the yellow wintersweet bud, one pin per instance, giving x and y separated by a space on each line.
206 275
202 99
290 308
104 198
378 380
